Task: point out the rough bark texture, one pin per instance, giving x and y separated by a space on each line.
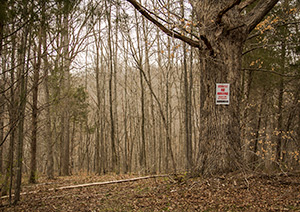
220 124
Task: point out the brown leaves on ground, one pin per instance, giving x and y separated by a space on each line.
175 193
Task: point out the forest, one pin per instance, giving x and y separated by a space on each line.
128 87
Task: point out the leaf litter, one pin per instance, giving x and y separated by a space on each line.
235 192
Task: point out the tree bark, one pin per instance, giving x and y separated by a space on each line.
21 108
187 105
139 61
49 141
219 124
8 180
98 45
280 106
66 89
35 87
2 97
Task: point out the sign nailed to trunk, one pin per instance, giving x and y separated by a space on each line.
222 93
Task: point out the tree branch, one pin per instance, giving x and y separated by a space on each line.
258 13
225 10
271 72
171 33
107 182
245 4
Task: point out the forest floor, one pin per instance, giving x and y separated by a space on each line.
235 192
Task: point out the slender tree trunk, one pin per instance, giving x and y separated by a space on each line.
72 146
115 70
35 87
87 150
114 158
291 117
169 155
49 141
160 144
103 137
21 108
125 109
152 138
8 180
1 126
143 139
298 122
247 82
258 127
188 105
97 141
66 88
280 106
2 104
139 60
98 45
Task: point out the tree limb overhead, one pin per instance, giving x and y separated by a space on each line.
171 33
258 13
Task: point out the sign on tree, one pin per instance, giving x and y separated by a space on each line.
222 93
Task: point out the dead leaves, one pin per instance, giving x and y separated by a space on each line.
226 193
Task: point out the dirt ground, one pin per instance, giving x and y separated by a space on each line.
235 192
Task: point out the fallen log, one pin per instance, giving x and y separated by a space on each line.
94 184
107 182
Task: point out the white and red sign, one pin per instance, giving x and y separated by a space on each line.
222 93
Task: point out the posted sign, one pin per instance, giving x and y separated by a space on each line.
222 93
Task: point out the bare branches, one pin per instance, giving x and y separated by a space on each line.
169 32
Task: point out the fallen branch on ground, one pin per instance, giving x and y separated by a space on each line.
94 184
107 182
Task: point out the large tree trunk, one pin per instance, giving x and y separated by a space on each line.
220 124
220 63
